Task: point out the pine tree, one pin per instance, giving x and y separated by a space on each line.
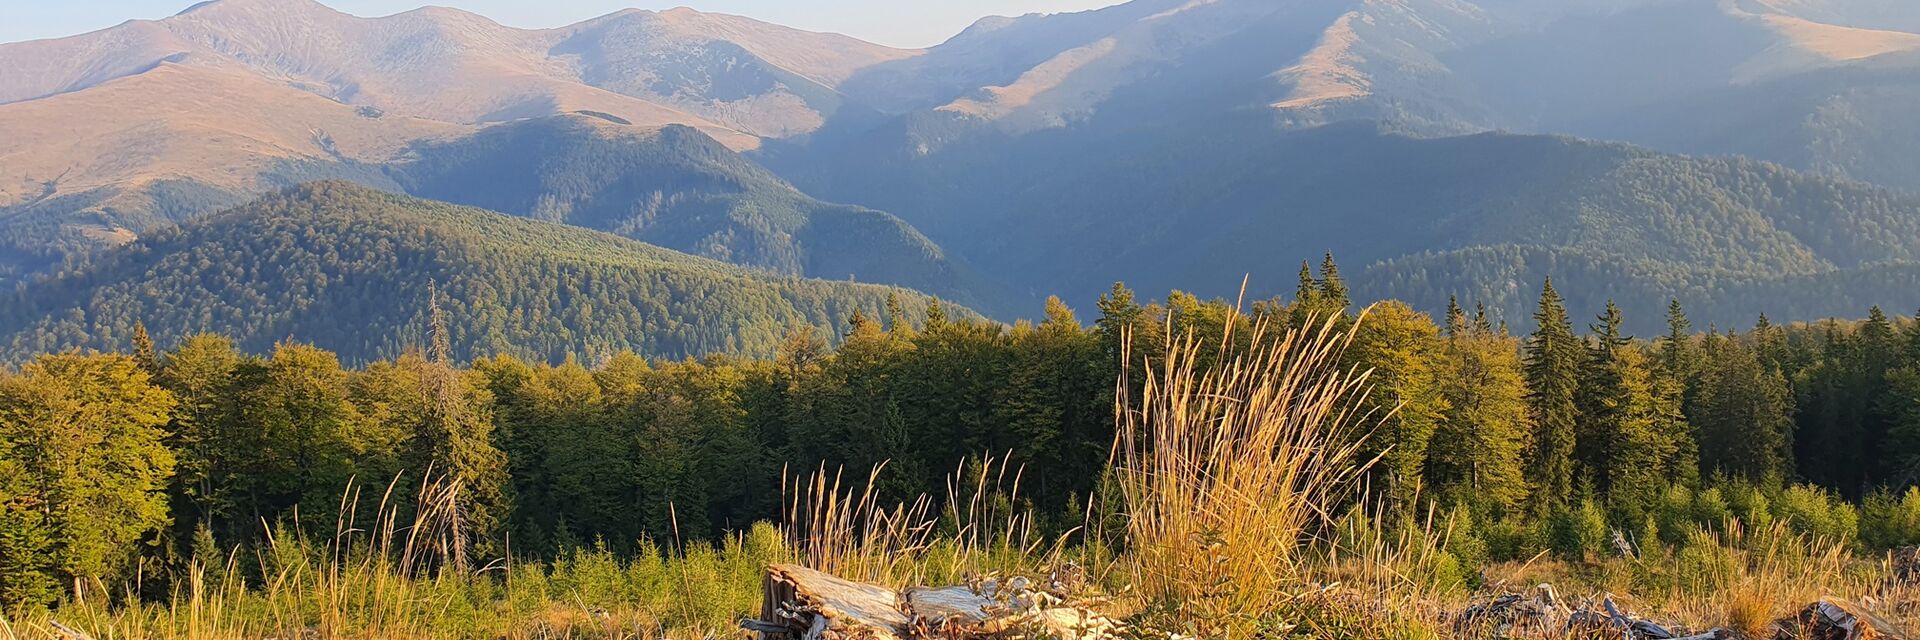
1553 363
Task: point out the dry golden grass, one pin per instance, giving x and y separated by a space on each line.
1227 467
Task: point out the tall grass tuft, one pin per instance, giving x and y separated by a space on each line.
1229 465
848 532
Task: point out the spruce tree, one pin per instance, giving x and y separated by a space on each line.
1333 290
1553 362
143 351
1745 422
1627 442
1402 347
1456 324
1308 290
1678 357
1901 406
1602 398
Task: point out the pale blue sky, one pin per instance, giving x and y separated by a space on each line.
900 23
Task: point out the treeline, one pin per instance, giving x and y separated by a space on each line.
117 465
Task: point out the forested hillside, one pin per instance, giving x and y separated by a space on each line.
349 268
680 189
1417 219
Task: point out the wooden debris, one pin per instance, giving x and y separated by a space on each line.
67 633
1836 619
1514 614
1612 622
803 604
1544 615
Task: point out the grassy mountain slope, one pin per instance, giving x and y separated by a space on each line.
736 78
100 166
348 268
1810 81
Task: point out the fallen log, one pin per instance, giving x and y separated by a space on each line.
804 604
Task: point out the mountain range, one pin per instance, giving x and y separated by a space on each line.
1741 155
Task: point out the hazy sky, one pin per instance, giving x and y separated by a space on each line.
901 23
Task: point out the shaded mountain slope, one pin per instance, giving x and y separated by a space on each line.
1203 206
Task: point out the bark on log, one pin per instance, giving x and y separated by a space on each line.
811 605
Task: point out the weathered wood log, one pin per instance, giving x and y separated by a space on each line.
803 604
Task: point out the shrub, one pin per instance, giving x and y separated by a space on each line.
1512 539
1580 532
1887 521
1810 510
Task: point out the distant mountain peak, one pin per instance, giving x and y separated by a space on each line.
283 7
